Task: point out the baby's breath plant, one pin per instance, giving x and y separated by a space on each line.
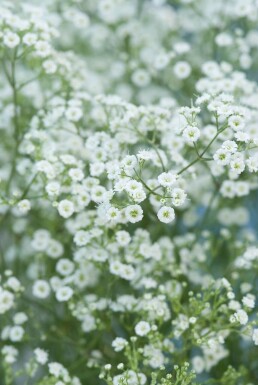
128 192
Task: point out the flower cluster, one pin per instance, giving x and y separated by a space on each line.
128 192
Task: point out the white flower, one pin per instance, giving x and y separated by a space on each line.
198 364
41 289
127 272
255 336
6 301
76 174
119 344
230 146
53 188
161 61
55 249
98 194
16 333
24 206
237 165
123 238
49 66
10 354
81 238
29 39
166 214
20 318
14 284
43 49
222 157
236 122
249 301
178 197
134 213
141 78
11 39
41 356
65 208
64 267
191 133
64 293
167 179
182 69
138 196
241 316
113 214
228 189
73 114
55 368
129 162
142 328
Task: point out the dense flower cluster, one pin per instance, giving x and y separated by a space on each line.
128 192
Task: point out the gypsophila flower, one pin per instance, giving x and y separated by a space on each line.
64 293
134 213
255 336
24 206
166 214
16 333
128 184
11 40
41 356
241 317
142 328
167 179
119 344
41 289
182 70
65 208
191 134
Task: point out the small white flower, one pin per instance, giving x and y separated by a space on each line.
20 318
236 122
134 213
182 69
76 174
123 238
16 333
241 316
29 39
41 356
24 206
141 78
53 188
64 293
222 157
81 238
178 196
65 208
167 179
43 49
11 39
191 134
41 289
129 162
64 267
6 301
73 114
113 214
166 214
142 328
119 344
255 336
49 66
249 301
